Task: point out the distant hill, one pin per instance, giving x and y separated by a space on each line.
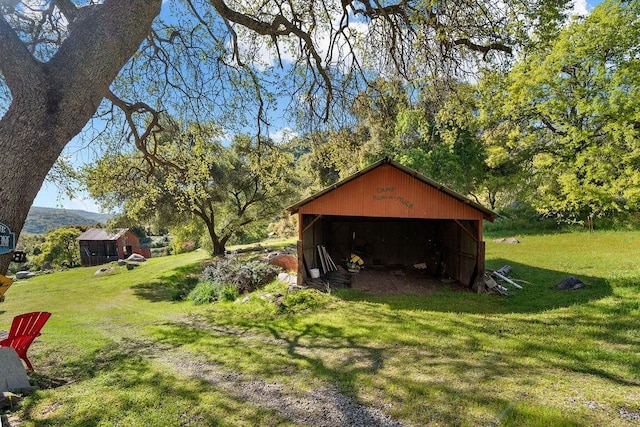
40 220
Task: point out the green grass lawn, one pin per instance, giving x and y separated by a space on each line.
122 350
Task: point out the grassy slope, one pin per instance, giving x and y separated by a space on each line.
538 357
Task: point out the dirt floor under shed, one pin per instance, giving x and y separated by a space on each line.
401 280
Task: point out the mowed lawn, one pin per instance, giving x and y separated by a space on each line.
121 350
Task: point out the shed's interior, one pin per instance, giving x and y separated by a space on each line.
447 248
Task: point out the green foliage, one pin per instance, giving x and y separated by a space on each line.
205 292
60 248
434 133
227 189
242 277
438 137
229 293
252 233
31 245
571 108
187 236
301 300
284 227
521 218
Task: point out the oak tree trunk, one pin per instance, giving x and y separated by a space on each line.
53 101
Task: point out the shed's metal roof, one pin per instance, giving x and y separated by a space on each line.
102 234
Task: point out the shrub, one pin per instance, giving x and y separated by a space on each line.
303 299
226 280
208 292
228 293
158 252
188 246
246 277
204 292
521 218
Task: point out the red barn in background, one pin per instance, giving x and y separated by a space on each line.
100 246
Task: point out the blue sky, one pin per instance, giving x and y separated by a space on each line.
50 195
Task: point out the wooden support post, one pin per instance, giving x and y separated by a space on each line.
302 273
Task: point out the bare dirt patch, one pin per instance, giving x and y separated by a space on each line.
405 281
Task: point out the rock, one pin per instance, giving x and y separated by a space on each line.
136 258
24 275
46 267
122 262
569 284
286 262
13 376
289 279
507 240
103 271
293 288
132 265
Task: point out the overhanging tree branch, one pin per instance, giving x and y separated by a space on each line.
17 65
280 26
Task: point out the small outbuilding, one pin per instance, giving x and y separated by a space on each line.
100 246
392 216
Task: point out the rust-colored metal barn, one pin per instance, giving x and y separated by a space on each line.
393 216
100 246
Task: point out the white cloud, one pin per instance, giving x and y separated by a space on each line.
580 8
283 135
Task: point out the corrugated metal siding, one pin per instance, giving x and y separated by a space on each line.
388 192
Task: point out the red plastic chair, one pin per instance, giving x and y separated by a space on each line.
24 329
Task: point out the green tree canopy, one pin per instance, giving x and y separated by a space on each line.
573 109
61 248
64 62
225 187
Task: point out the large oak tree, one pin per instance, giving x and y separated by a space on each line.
567 116
59 60
226 188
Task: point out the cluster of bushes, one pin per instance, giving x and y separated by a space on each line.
521 218
227 279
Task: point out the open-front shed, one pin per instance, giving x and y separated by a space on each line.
100 246
391 215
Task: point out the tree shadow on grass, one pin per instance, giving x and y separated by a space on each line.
434 385
259 352
120 379
539 294
174 287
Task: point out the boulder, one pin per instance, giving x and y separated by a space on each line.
13 376
569 284
103 271
289 279
506 240
46 267
24 275
136 258
286 262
